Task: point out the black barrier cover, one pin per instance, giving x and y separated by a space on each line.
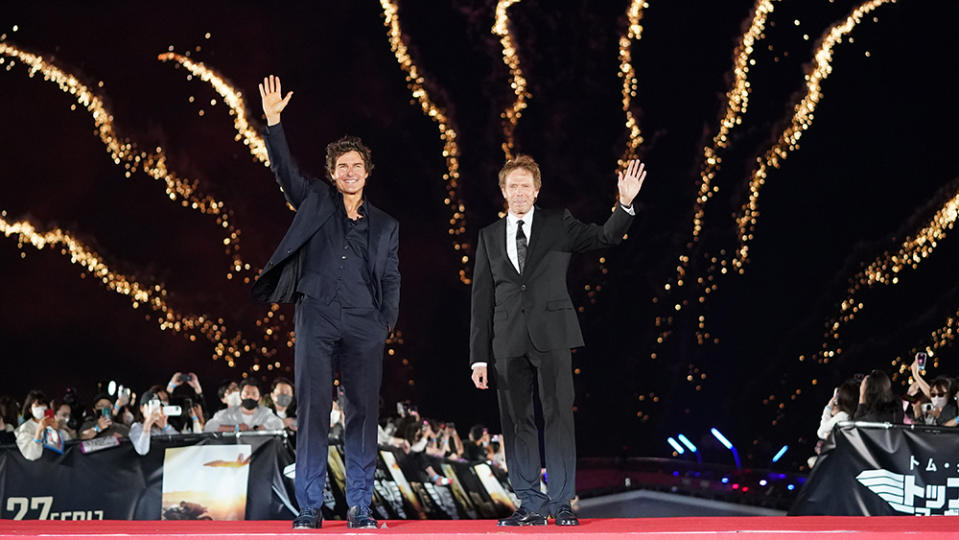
870 469
118 483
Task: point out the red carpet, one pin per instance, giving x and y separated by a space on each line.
671 528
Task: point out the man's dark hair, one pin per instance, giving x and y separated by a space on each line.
281 380
221 391
249 381
476 432
346 144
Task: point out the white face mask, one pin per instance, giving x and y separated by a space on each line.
335 417
939 402
233 399
38 411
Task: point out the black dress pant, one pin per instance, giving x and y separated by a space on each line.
515 379
354 338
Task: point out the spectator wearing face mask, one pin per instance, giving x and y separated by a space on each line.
229 394
249 415
282 402
102 419
30 434
154 423
942 396
63 411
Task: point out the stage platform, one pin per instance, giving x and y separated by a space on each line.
642 528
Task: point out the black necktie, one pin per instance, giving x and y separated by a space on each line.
520 245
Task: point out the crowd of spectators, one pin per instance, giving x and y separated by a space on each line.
180 406
869 398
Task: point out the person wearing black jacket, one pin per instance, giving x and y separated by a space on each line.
339 263
523 321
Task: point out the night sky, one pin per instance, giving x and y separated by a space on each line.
874 166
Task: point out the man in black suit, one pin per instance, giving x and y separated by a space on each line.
339 263
523 320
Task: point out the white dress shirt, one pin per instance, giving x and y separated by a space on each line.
512 224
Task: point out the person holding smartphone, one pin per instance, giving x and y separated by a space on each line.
100 422
941 409
155 422
39 416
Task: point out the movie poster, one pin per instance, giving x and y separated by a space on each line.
206 482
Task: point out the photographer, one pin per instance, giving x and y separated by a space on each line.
62 412
154 423
100 422
184 391
31 434
248 416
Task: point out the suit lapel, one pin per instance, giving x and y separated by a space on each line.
536 239
498 246
375 228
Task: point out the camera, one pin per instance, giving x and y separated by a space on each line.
926 407
185 378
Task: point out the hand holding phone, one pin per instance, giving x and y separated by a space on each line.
921 360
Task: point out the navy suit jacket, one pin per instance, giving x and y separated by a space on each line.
509 310
313 200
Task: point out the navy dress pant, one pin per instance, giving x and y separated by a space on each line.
353 338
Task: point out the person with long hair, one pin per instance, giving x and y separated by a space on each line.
841 407
876 400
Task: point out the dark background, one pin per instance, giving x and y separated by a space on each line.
878 160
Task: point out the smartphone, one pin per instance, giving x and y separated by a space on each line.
106 412
48 413
185 378
154 405
172 410
921 359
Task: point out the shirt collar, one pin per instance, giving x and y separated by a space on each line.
527 219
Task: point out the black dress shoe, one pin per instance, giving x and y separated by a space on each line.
522 518
565 517
308 519
360 518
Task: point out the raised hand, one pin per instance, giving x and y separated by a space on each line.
271 95
631 181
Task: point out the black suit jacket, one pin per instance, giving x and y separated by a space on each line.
508 306
313 200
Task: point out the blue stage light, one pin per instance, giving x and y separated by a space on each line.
719 436
790 487
687 443
676 446
780 453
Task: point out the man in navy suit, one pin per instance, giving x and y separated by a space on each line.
523 321
338 262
